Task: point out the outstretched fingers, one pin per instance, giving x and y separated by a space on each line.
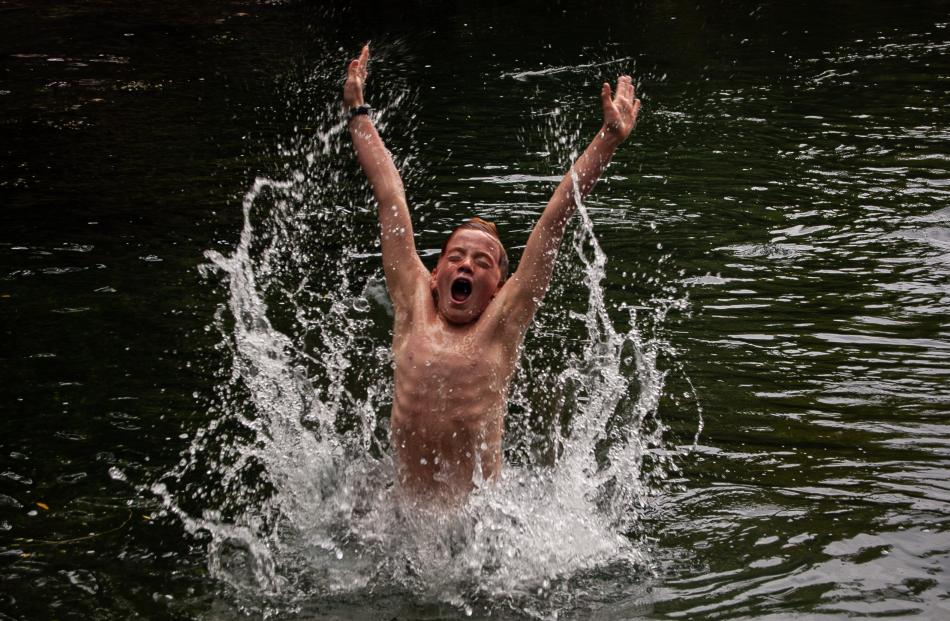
355 79
606 98
364 59
356 68
624 88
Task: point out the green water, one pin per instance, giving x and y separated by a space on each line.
787 187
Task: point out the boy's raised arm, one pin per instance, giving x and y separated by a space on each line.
530 282
401 264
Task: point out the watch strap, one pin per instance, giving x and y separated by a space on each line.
358 111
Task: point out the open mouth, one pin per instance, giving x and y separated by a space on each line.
461 289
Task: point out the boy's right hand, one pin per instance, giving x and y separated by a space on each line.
355 77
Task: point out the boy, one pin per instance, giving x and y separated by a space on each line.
458 330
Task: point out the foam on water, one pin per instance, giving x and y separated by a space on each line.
291 482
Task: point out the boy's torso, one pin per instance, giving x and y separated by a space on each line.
451 390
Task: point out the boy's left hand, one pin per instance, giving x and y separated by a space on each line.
620 111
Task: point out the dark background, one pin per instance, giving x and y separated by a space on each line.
788 179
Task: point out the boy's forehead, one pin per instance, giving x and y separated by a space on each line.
473 237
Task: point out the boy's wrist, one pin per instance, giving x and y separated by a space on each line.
356 119
360 110
610 137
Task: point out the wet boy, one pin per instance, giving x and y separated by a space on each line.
458 330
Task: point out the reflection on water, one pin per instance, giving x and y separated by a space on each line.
778 223
829 308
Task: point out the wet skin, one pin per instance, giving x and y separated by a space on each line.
452 373
458 331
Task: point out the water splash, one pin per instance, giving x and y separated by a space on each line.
524 75
291 482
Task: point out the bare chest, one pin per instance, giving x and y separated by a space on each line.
447 365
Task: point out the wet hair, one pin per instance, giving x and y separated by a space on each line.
486 227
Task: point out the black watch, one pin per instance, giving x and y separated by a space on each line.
358 111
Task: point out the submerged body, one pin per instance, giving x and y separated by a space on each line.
458 330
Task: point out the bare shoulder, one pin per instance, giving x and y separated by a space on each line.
509 314
411 290
412 306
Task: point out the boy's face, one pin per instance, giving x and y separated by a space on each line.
467 276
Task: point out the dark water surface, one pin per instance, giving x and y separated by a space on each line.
785 195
